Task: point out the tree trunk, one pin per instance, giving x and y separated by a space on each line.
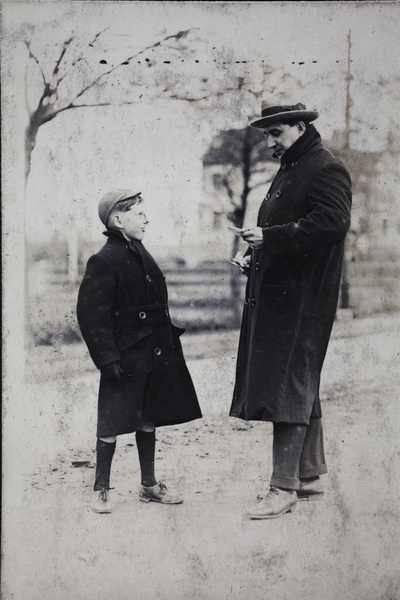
30 142
236 282
239 215
344 285
73 245
237 276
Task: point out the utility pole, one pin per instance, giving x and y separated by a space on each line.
349 103
344 285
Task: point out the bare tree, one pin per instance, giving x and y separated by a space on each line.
241 159
82 69
79 68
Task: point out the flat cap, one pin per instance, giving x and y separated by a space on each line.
112 198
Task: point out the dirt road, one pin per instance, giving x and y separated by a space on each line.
343 548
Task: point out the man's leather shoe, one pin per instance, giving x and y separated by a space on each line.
274 504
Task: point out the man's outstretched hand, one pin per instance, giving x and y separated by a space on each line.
253 237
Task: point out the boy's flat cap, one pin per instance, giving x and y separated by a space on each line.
112 198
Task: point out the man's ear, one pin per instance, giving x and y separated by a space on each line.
301 126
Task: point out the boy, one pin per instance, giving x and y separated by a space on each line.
124 318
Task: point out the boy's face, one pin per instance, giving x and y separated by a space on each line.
133 222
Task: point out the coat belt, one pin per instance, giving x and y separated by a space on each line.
149 314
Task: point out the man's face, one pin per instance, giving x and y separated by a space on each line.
133 222
280 137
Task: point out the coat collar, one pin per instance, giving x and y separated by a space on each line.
116 236
307 142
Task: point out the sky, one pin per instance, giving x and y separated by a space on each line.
83 153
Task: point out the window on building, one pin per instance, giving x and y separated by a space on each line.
217 220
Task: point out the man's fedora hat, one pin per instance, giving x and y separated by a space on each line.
274 114
110 199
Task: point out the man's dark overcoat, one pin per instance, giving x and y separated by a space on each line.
123 315
293 286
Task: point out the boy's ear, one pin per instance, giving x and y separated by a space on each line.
116 220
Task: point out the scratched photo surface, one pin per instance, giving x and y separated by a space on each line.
158 96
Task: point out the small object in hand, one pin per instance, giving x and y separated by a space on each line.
240 261
236 230
235 262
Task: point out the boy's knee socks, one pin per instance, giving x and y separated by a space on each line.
146 445
104 455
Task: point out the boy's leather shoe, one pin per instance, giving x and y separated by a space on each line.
101 502
274 504
158 493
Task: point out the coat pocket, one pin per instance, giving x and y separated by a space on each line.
176 343
135 350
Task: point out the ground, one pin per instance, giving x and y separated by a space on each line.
343 547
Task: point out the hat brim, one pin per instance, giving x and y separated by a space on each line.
307 115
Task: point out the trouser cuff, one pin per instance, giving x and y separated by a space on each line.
285 482
313 472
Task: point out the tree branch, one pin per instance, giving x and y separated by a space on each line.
180 34
96 37
63 51
261 184
70 106
31 55
176 36
81 57
206 97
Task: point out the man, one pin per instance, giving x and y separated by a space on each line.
124 318
293 263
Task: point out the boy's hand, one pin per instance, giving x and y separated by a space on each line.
113 370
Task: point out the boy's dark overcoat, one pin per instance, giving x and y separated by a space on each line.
293 286
123 315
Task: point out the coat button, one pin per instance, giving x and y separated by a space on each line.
142 315
246 301
293 164
257 266
166 312
253 302
148 277
268 196
283 166
157 351
278 193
